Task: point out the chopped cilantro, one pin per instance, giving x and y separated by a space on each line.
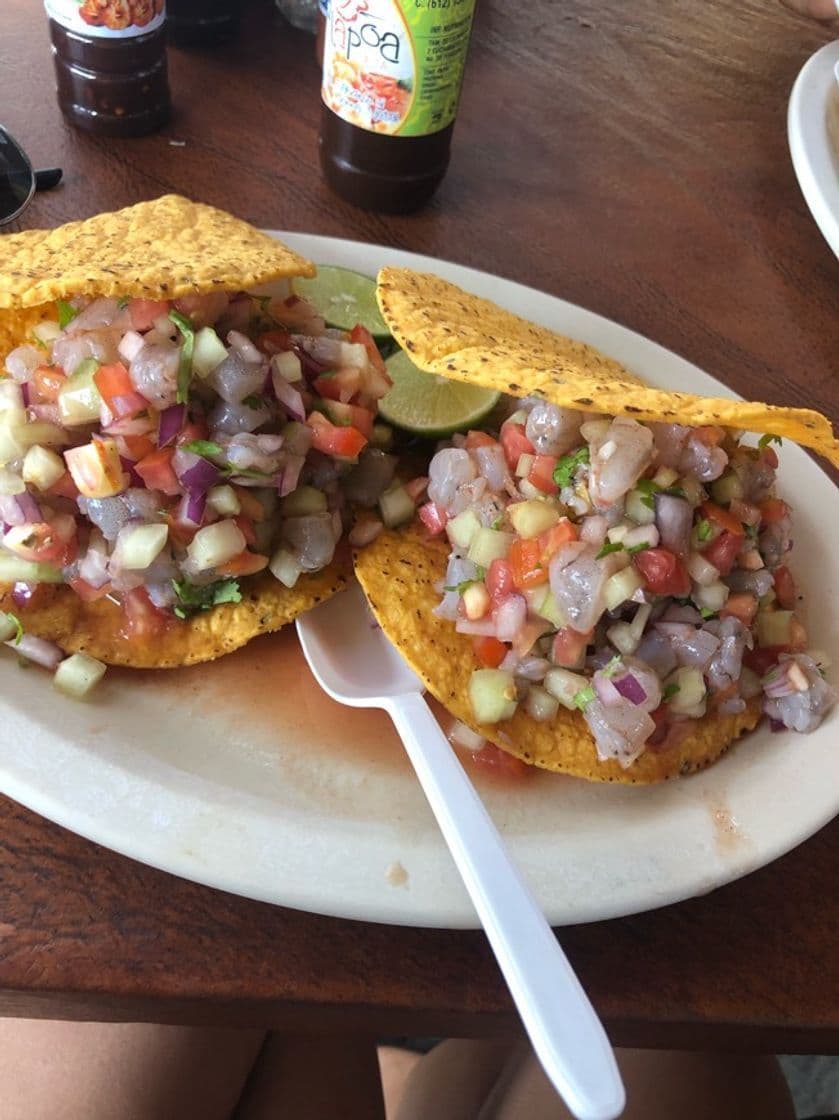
649 488
706 612
608 547
186 328
764 441
612 666
642 546
192 599
254 401
567 465
704 530
122 303
670 690
583 698
66 312
751 531
480 573
203 447
460 587
498 522
244 472
18 624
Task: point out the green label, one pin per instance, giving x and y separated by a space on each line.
396 66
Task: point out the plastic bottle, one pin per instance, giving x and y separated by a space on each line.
392 72
110 64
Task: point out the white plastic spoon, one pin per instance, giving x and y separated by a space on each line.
355 664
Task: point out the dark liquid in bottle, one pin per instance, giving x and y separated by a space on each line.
202 22
114 87
394 174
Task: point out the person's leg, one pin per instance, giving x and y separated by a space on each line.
475 1081
314 1078
121 1071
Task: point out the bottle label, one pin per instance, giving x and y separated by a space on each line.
108 19
396 66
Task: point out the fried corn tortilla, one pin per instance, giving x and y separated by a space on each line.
460 336
163 249
400 572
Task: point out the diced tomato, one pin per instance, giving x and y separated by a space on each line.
499 580
709 434
433 517
180 533
503 763
769 456
118 392
362 335
245 564
143 620
525 562
773 510
43 542
479 439
87 593
529 635
542 474
246 529
143 312
663 571
64 487
569 647
552 540
490 652
722 551
342 385
785 589
761 659
661 718
340 443
134 447
741 605
350 415
416 487
157 472
515 444
250 505
275 342
46 384
722 517
191 431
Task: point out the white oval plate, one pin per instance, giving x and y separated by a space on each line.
813 132
241 774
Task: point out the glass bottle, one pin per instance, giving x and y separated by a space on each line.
110 64
199 23
392 72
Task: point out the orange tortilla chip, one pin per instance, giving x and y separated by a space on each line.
96 628
399 572
449 332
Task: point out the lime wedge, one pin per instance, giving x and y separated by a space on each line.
344 298
430 405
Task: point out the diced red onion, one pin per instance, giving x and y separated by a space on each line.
130 345
533 668
593 530
93 568
606 690
733 706
25 394
509 617
128 467
49 413
38 650
481 627
677 613
630 688
191 509
243 345
199 477
291 474
22 362
22 593
510 662
172 420
288 397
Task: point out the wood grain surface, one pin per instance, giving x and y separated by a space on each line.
630 158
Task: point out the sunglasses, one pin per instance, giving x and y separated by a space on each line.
18 180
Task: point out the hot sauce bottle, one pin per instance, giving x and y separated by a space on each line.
392 72
110 64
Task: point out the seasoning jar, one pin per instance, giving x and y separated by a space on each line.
110 64
201 23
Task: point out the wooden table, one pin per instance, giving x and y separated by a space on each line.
633 159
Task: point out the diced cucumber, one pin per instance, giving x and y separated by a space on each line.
14 569
382 436
140 545
79 401
665 476
621 586
488 545
9 627
621 636
685 690
712 597
726 488
461 530
208 352
702 570
638 509
533 517
47 332
288 366
693 489
224 501
42 467
11 483
564 685
284 567
774 628
396 507
492 694
77 675
525 464
39 431
548 608
528 490
303 501
540 704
